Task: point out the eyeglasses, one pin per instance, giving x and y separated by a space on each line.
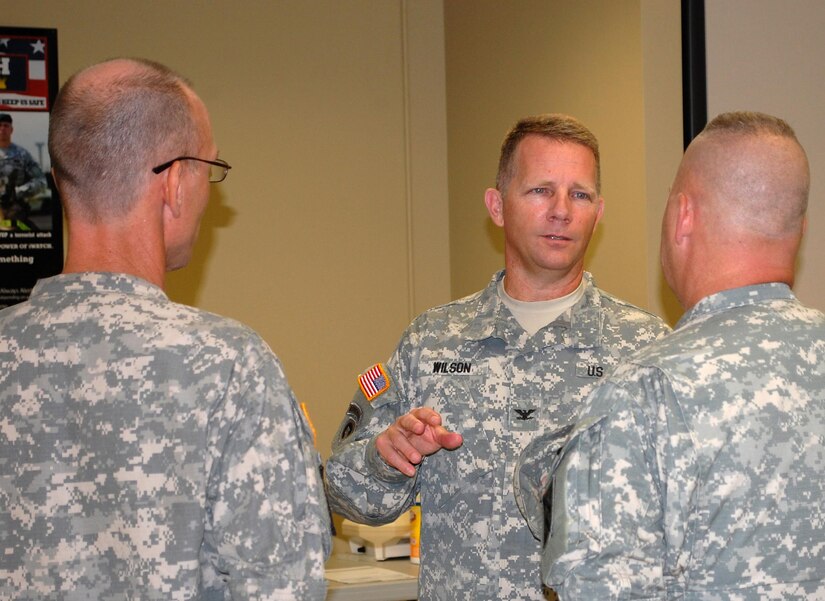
217 168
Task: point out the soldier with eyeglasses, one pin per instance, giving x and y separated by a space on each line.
148 450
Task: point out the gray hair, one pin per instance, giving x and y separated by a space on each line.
106 134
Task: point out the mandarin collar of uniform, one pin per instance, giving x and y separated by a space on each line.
578 327
584 319
96 282
735 297
488 312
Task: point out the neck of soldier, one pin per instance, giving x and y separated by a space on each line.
734 264
132 245
541 285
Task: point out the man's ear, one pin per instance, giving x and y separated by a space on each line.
495 205
599 212
685 218
172 189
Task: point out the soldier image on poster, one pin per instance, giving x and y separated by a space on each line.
23 186
31 218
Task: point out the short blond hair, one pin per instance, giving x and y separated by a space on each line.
555 126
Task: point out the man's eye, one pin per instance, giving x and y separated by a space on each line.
539 190
581 196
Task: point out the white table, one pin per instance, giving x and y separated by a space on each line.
400 590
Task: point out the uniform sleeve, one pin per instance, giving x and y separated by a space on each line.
606 500
270 530
359 484
532 477
34 181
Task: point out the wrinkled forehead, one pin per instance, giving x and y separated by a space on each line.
550 153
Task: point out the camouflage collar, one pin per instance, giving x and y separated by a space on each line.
94 282
736 297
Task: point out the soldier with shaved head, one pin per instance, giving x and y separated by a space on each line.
697 469
148 450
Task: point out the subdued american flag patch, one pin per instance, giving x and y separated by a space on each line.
374 381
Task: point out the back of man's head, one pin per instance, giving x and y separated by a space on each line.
111 123
562 128
736 212
753 173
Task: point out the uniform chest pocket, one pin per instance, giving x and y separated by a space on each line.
466 470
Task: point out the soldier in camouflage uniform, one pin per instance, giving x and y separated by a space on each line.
21 179
148 450
473 381
697 470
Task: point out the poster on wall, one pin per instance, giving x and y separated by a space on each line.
31 223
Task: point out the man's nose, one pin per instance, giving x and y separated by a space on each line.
559 207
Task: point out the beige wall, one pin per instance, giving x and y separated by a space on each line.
330 232
599 60
334 227
662 67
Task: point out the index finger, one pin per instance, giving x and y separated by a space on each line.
427 415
